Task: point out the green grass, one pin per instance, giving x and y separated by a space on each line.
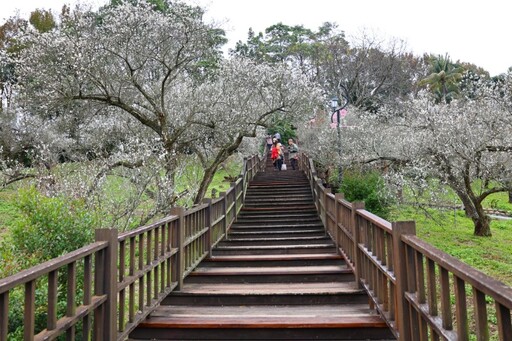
452 232
498 201
220 182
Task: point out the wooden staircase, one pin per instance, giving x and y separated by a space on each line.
277 277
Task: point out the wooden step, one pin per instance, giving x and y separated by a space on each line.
354 322
276 225
285 213
268 294
276 208
274 249
276 220
281 233
274 260
309 256
280 274
291 239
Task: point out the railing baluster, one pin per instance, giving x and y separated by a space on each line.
122 293
4 315
179 266
163 268
356 232
480 315
86 321
420 293
149 274
70 298
445 299
131 272
29 320
504 322
461 309
141 267
51 324
157 267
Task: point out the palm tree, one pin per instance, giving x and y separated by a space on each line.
444 79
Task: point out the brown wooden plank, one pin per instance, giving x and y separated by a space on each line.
286 270
271 247
271 288
274 257
281 311
371 321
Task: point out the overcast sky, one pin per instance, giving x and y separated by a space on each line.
474 31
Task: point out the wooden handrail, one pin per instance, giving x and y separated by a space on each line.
419 290
126 276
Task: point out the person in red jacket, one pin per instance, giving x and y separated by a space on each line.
277 154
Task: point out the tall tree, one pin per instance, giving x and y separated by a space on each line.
163 70
297 46
465 145
42 20
444 78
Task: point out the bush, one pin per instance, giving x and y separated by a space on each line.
50 227
368 187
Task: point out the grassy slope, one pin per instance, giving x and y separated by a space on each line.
452 232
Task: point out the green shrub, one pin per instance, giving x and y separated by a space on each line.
47 228
50 227
368 187
285 128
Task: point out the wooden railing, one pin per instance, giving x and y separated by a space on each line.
422 292
123 277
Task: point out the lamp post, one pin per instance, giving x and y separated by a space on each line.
337 109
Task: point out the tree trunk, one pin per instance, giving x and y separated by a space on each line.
510 197
475 211
205 182
481 220
482 226
209 172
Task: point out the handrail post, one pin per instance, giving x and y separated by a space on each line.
250 167
4 314
235 201
324 205
208 221
225 213
244 180
337 198
400 262
106 284
356 233
178 242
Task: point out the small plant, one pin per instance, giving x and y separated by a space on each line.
368 187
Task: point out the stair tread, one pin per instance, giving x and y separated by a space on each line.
269 247
270 310
285 270
294 238
265 321
307 256
313 288
243 233
274 208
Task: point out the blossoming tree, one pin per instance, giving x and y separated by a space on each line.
465 145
